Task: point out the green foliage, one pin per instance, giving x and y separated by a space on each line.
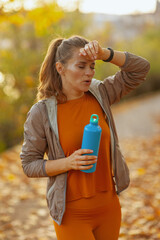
147 45
25 36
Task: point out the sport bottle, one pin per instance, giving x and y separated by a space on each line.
91 139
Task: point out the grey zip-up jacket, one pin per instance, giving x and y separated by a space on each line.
41 133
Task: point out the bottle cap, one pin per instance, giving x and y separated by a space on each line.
94 119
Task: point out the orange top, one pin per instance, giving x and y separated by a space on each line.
72 118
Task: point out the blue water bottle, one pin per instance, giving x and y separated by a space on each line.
91 139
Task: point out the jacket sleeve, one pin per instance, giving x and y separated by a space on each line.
132 74
34 145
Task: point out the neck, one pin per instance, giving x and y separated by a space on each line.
74 96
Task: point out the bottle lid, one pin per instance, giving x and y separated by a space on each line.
94 119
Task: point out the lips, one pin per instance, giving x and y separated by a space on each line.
87 81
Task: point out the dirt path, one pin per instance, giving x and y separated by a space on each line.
24 214
138 128
137 118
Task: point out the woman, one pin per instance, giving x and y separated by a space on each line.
82 205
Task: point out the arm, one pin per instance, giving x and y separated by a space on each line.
118 59
55 167
34 145
133 70
75 161
93 51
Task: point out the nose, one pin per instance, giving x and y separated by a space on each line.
89 71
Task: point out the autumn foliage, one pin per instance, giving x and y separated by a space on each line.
24 209
25 35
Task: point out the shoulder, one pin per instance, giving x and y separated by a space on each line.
135 62
95 82
37 110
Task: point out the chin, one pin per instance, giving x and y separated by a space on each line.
85 89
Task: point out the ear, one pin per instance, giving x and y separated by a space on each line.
60 68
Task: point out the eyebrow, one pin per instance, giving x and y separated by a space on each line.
85 62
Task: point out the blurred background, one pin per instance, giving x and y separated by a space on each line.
26 29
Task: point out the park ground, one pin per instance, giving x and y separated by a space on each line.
24 214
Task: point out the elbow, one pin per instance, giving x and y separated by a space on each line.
143 74
26 166
147 67
35 169
27 171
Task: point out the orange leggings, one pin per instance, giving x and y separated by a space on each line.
98 217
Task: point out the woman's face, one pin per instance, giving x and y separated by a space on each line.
77 75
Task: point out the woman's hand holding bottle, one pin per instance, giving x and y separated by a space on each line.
77 160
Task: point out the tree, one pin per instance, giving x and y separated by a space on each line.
25 37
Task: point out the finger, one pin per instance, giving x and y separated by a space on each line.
84 151
96 46
85 167
87 49
82 52
87 157
92 50
88 162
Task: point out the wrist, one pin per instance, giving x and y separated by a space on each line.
67 163
105 54
111 55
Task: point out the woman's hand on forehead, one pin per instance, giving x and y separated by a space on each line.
92 51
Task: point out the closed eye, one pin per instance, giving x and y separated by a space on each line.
84 67
81 66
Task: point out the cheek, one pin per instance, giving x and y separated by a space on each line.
74 72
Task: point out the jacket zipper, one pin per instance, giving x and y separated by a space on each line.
65 188
57 138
